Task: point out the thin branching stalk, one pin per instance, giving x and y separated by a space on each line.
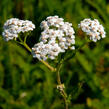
61 86
62 92
29 49
49 66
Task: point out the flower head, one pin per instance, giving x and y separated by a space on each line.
93 29
43 51
14 26
56 37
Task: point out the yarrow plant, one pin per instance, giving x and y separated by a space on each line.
56 37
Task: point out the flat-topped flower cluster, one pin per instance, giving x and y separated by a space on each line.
93 29
57 36
14 26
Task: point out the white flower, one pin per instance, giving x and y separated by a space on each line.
43 51
93 29
14 26
57 35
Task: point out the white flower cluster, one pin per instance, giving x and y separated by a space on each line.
93 29
57 36
14 26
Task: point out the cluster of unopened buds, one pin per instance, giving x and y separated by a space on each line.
57 36
14 26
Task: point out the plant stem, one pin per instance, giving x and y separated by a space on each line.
29 49
62 92
58 74
61 86
44 62
50 67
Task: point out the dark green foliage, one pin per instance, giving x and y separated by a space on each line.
25 83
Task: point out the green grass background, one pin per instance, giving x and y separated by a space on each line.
25 83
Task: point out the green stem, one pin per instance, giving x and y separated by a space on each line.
44 62
61 90
25 38
50 67
29 49
58 74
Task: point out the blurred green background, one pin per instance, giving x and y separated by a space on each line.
25 83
